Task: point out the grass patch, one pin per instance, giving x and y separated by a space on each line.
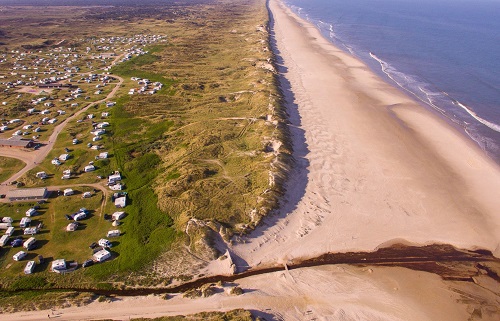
9 166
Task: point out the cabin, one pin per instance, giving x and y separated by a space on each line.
101 256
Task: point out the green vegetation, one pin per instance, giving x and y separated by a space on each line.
210 145
234 315
8 167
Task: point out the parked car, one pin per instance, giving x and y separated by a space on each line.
87 263
16 242
93 245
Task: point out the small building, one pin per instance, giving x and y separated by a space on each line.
101 256
68 192
17 141
30 266
27 194
117 216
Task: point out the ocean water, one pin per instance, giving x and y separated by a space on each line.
444 53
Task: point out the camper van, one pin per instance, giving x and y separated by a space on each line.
4 239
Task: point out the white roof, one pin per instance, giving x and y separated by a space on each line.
101 255
58 264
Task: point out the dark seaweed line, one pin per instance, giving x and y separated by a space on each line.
396 256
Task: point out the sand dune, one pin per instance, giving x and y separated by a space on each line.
372 164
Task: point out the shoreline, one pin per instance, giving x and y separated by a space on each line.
470 124
373 166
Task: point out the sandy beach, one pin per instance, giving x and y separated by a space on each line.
373 167
320 293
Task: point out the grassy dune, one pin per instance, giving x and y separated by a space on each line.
204 148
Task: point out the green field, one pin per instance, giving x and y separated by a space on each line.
8 167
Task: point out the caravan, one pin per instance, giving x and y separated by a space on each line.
29 244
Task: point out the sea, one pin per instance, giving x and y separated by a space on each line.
443 53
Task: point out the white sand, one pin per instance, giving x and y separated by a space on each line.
321 293
373 165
